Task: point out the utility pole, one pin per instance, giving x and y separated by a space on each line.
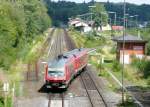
93 2
134 21
115 17
91 11
126 20
124 33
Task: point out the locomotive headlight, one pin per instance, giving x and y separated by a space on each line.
55 75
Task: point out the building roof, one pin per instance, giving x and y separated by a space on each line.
129 38
81 24
117 27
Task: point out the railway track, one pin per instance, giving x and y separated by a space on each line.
69 42
57 48
95 97
48 40
56 98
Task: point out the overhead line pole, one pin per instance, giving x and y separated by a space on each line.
115 17
124 33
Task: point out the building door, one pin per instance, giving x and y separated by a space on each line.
126 59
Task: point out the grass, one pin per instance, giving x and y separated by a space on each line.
127 104
108 53
130 74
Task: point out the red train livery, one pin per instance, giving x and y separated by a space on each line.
64 68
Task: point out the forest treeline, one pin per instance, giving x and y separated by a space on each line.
21 21
62 10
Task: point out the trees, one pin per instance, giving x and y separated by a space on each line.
62 10
20 23
100 15
36 17
10 30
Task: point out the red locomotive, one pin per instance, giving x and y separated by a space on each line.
64 68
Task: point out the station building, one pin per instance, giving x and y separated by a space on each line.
134 46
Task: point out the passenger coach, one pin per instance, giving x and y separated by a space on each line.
60 71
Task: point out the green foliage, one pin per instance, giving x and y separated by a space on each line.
36 17
141 10
127 104
62 10
8 101
20 23
113 50
148 81
8 33
143 66
1 101
116 67
100 15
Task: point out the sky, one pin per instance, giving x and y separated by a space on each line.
116 1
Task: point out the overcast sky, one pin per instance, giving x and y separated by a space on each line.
130 1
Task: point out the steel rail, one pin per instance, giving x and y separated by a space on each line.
62 97
87 91
49 99
98 91
96 88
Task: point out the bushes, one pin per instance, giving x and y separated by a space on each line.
143 66
20 23
148 80
1 101
116 67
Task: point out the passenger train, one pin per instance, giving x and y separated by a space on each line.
60 71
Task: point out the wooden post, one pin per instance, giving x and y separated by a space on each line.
29 68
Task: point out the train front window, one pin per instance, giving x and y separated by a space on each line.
56 73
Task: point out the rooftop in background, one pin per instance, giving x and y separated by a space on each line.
129 38
117 27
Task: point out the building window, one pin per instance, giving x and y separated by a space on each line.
137 47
